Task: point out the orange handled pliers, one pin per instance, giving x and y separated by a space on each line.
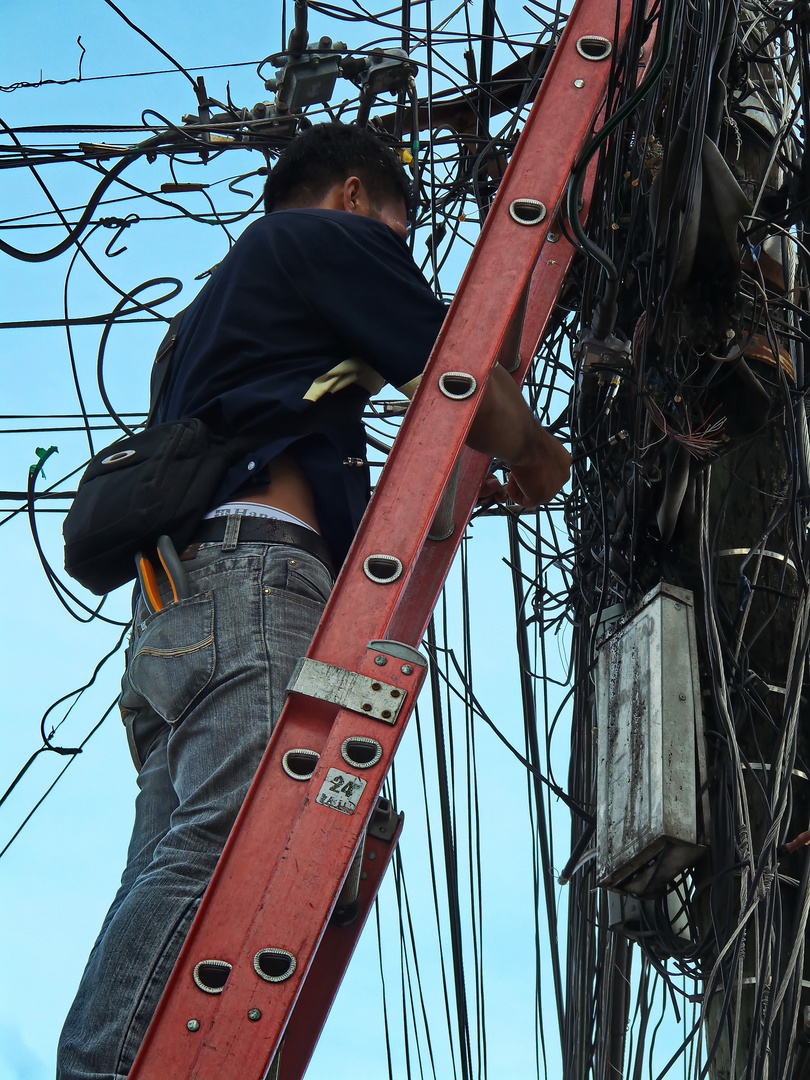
172 567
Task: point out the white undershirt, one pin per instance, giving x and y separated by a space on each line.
256 510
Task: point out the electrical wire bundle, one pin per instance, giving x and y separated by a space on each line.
694 308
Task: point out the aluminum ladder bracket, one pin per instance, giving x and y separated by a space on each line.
365 694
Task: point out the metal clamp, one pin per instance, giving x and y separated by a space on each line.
347 689
385 647
384 820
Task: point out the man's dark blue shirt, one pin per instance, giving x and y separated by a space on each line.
301 293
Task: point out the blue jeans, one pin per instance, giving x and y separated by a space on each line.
204 685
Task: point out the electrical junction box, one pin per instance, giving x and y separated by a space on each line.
639 920
309 80
650 744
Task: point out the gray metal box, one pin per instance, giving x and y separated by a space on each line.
650 744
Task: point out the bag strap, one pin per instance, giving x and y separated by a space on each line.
162 363
329 411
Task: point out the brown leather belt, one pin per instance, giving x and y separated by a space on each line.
261 530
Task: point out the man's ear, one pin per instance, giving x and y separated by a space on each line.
353 194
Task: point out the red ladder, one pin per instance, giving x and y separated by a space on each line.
267 910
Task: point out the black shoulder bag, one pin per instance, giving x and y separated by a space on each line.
159 480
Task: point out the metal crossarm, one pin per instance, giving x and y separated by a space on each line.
266 913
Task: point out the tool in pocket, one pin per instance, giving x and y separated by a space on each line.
173 569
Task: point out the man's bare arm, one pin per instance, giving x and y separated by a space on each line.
505 427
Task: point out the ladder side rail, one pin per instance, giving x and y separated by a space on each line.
312 857
427 578
436 557
556 257
281 824
292 913
331 961
490 291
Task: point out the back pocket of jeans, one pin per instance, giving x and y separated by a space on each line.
175 656
309 578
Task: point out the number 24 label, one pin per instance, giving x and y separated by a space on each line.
341 791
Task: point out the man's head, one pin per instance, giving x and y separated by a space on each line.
340 167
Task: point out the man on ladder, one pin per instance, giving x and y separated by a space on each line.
316 306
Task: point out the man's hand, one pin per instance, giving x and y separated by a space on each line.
537 478
504 427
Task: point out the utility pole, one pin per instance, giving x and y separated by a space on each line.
693 593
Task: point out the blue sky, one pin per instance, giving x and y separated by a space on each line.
57 879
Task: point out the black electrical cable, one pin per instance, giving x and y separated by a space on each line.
152 42
110 321
123 75
47 736
434 885
73 233
530 721
61 591
71 354
572 805
604 316
451 865
59 776
402 890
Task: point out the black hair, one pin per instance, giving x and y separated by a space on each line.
326 154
